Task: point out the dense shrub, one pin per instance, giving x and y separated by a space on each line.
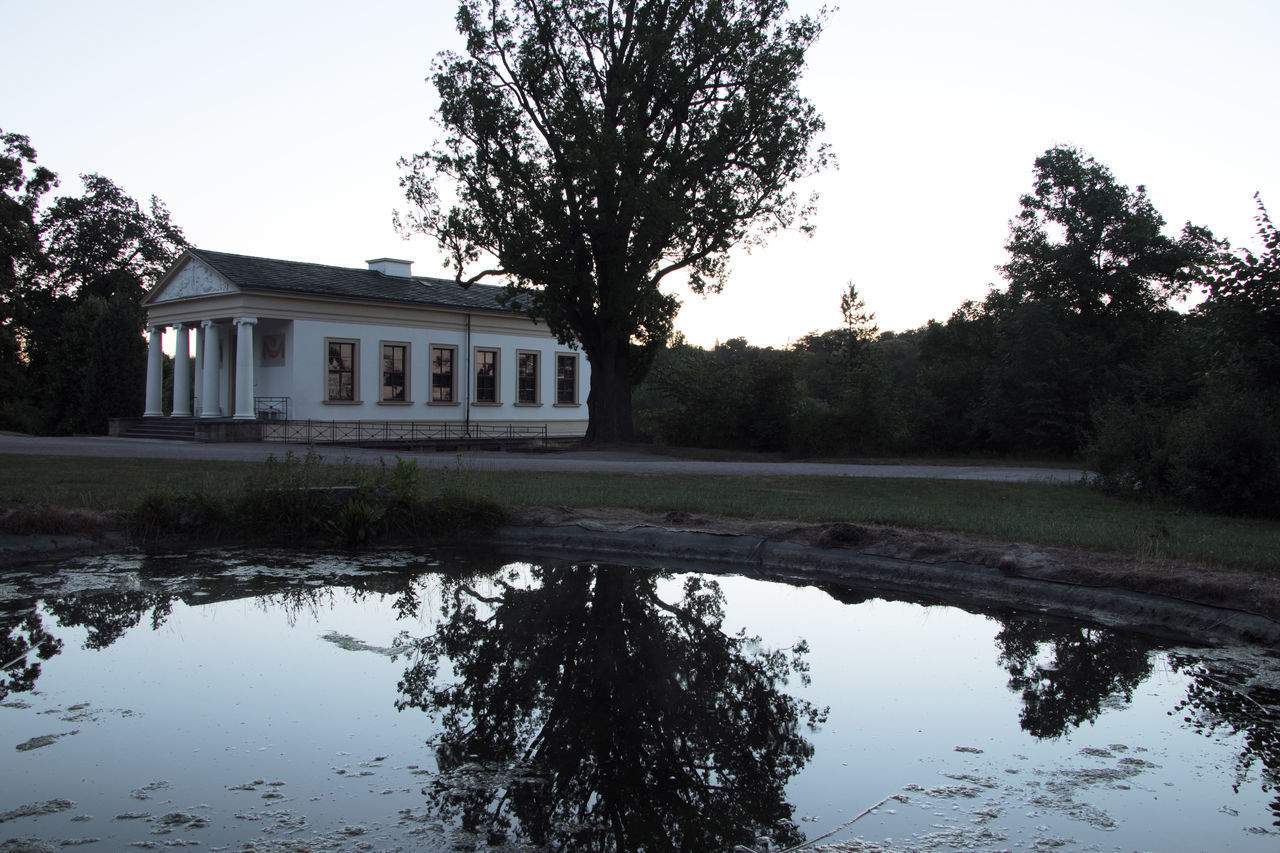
1223 456
1220 453
294 500
1127 449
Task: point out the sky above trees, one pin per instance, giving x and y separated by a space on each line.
274 129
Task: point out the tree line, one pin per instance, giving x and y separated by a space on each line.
73 272
1087 352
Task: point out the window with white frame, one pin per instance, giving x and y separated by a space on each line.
341 358
486 361
444 374
395 372
527 363
566 379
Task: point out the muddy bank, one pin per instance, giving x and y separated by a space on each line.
1169 599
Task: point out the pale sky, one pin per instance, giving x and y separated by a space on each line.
273 128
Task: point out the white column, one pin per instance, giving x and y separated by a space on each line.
182 372
211 404
155 375
198 373
244 368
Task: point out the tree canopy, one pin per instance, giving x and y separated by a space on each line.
594 148
1088 243
73 272
102 241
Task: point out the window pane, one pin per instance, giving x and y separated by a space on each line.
342 378
527 381
486 376
441 375
393 384
567 379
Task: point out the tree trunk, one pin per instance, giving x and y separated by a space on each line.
609 401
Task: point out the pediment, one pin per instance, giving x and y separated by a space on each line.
189 277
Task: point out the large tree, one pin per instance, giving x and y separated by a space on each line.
594 148
1091 245
1243 310
72 276
102 242
85 352
1092 275
22 186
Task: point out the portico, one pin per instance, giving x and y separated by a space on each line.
199 388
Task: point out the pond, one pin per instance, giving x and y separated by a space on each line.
272 702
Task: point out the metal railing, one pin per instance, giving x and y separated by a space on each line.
396 432
271 408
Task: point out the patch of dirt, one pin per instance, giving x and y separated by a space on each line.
30 533
39 519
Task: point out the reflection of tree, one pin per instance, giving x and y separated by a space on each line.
1223 697
108 615
1066 672
24 642
587 712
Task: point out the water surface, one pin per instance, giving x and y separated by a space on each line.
261 701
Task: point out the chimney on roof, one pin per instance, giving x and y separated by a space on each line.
391 266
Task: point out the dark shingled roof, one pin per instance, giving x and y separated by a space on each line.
276 276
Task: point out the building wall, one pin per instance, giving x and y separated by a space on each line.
307 371
289 353
273 376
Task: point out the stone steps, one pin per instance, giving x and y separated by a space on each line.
172 429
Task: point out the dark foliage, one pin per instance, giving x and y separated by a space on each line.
735 396
72 277
1200 426
596 148
289 500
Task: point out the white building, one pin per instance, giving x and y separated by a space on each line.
291 346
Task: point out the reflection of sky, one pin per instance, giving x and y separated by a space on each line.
223 695
238 691
908 684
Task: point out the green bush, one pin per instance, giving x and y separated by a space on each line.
357 523
297 499
1224 456
155 515
1220 453
818 429
1126 450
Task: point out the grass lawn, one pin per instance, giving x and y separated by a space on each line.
1064 515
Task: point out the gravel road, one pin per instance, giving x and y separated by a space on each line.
576 461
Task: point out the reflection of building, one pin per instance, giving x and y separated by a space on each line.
356 353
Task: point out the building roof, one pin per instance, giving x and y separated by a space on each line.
305 279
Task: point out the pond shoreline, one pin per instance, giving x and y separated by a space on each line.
1169 599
